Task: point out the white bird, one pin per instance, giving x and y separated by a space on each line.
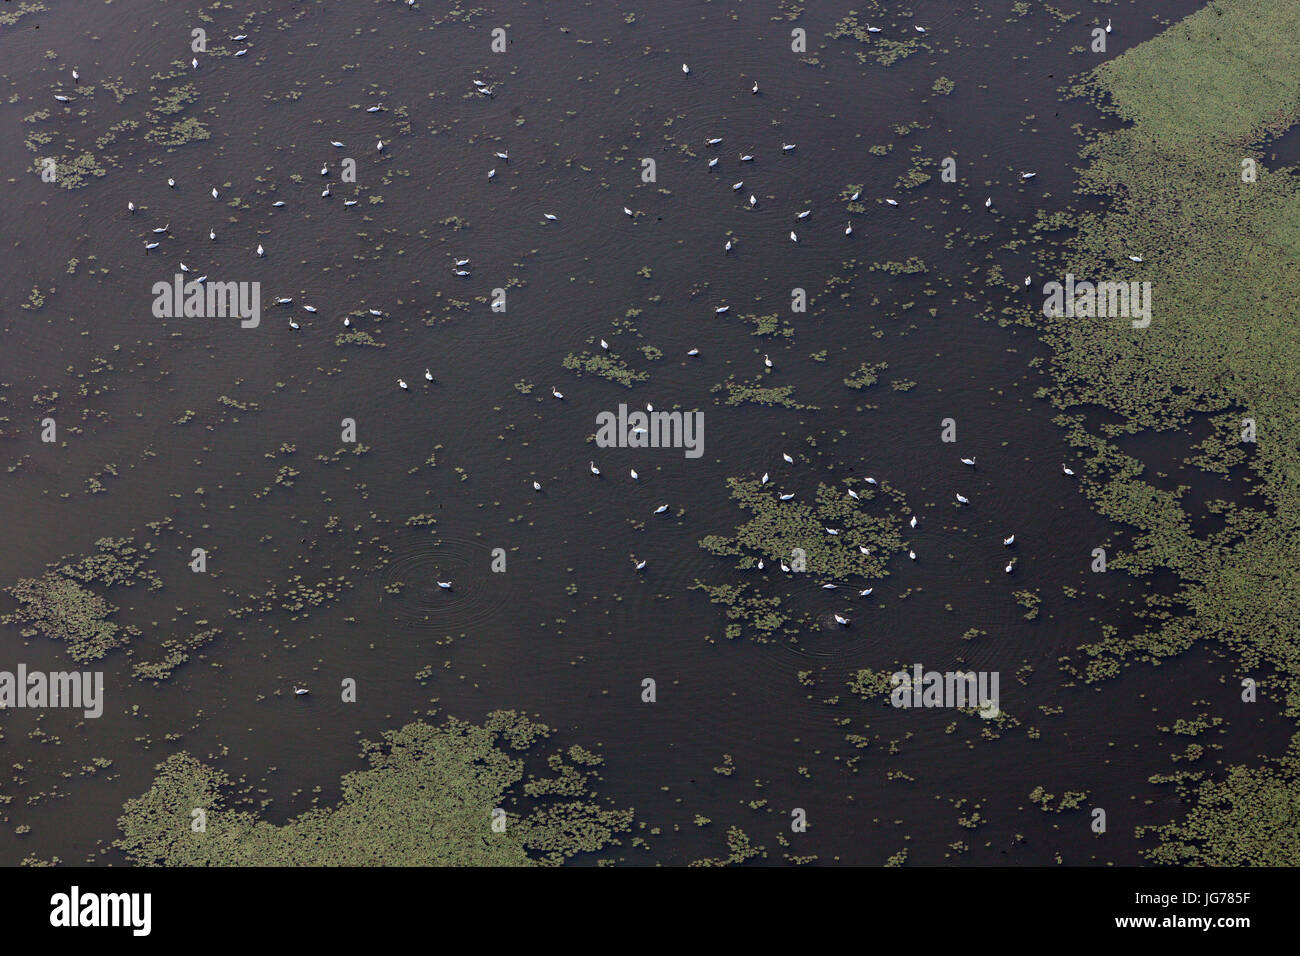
753 200
1009 540
241 52
661 509
1108 24
764 479
804 215
1028 175
968 461
640 565
550 216
787 147
988 202
75 75
784 567
130 207
793 236
214 192
912 555
184 267
325 193
161 229
713 162
349 202
736 187
242 36
754 89
853 494
492 174
1066 470
260 250
829 587
713 142
685 68
864 550
347 321
293 324
503 156
310 308
445 585
787 497
1010 565
278 203
873 29
920 29
627 212
635 476
428 376
693 352
892 202
150 245
841 620
767 361
380 146
401 383
325 170
479 83
832 531
299 691
604 345
747 158
594 470
61 98
856 194
1136 258
912 523
537 485
335 143
788 459
373 109
721 310
212 234
377 312
871 481
194 63
462 273
1027 280
171 184
865 592
848 229
727 247
962 499
556 392
202 278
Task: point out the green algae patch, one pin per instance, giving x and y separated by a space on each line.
427 799
606 365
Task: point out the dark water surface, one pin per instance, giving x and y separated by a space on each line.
570 630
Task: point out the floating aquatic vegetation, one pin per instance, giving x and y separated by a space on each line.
177 652
607 365
866 375
739 850
58 605
1189 208
8 16
755 393
427 799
